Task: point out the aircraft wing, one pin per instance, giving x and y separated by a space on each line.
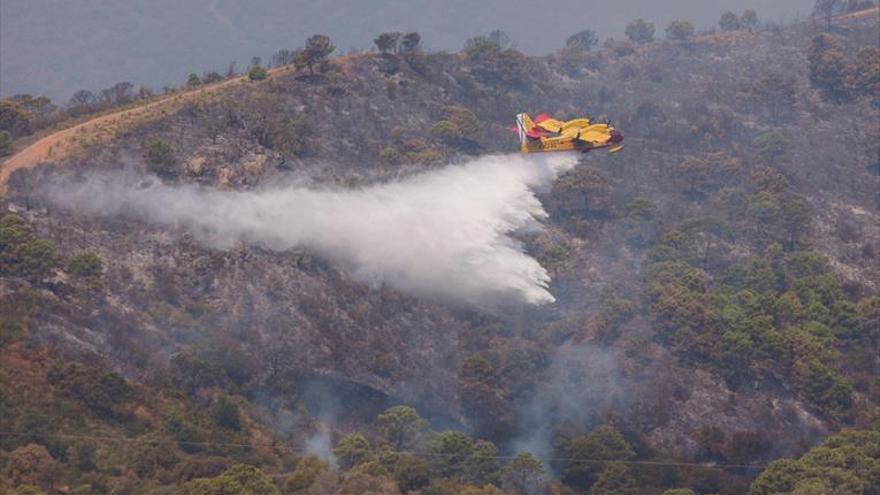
596 134
550 124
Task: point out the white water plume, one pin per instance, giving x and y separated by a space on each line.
445 234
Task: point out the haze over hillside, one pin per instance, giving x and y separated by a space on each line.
55 47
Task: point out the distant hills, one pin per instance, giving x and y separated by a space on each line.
54 48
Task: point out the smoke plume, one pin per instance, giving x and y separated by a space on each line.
445 234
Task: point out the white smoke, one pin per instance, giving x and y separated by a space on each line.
320 444
445 234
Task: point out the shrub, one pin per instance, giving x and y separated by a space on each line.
225 413
389 155
446 129
5 143
257 73
159 156
193 80
87 264
641 209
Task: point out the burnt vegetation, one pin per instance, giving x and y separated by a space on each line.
716 282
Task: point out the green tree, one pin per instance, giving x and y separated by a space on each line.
864 75
307 471
451 451
641 208
97 388
387 42
401 426
32 464
640 31
13 118
679 30
483 467
317 49
585 40
615 479
729 22
410 43
824 387
38 258
353 449
774 94
844 464
771 146
481 47
604 443
150 453
695 172
828 68
193 80
464 119
524 475
237 480
224 412
749 19
411 473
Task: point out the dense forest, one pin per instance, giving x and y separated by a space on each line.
716 328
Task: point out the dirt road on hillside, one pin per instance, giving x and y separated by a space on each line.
103 128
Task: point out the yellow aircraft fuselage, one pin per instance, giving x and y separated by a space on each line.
542 145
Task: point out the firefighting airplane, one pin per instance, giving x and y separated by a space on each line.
548 134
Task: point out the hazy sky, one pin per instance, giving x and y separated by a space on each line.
55 47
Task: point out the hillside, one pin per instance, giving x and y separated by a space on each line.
716 283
